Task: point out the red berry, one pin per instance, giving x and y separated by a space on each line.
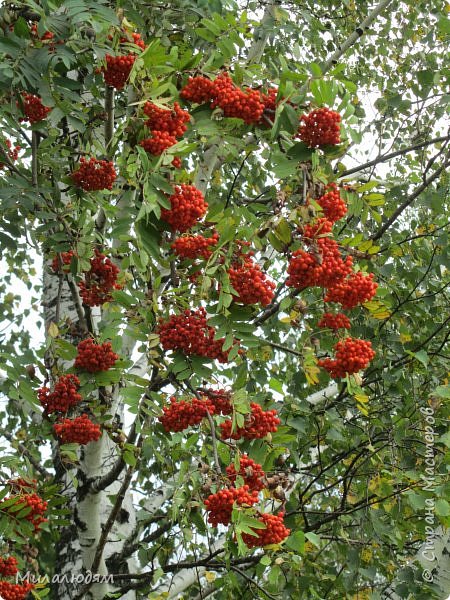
191 334
64 396
187 207
320 127
62 261
94 357
250 283
334 322
100 281
250 471
257 424
33 108
274 533
93 175
15 591
351 355
356 289
80 430
220 504
180 414
195 246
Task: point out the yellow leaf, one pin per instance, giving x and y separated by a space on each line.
312 373
210 576
405 337
53 330
362 398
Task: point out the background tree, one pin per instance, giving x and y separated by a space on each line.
357 465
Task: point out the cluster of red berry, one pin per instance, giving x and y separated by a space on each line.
187 207
166 125
250 283
321 266
15 591
334 321
118 68
221 400
33 108
195 246
321 127
190 333
333 206
220 504
93 357
99 281
33 502
355 289
63 397
180 414
258 423
250 471
61 262
93 175
351 355
8 566
275 531
246 104
80 430
11 153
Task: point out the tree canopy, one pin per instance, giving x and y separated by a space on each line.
232 222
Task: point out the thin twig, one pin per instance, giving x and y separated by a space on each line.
386 157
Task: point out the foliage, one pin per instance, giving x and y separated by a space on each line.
360 482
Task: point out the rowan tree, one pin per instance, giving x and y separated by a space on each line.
228 376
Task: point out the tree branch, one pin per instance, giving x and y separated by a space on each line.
409 200
386 157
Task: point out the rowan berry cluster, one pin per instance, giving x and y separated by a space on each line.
251 472
250 283
33 108
33 502
334 321
275 531
351 355
15 591
222 93
63 397
322 266
198 89
61 262
118 68
221 399
333 206
80 430
8 566
180 414
99 281
321 127
93 357
93 175
190 333
187 207
356 289
166 125
195 246
220 504
160 141
171 120
257 424
11 153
